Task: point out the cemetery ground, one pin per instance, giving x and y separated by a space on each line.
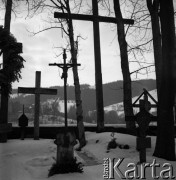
31 160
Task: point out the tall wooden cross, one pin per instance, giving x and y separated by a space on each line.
65 66
37 91
97 53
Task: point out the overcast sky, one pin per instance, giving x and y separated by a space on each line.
39 51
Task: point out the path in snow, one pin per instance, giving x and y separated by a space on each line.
89 158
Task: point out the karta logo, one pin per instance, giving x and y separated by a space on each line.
137 171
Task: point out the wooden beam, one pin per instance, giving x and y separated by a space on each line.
138 105
26 90
37 106
98 71
46 91
91 18
61 65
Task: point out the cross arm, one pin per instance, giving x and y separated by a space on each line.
64 65
48 91
91 18
152 105
26 90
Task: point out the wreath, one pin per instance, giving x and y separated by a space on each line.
13 62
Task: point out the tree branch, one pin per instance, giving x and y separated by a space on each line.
142 68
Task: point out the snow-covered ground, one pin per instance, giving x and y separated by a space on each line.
60 104
15 95
31 160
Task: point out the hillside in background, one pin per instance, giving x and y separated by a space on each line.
112 92
52 107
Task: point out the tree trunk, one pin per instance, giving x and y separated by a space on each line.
127 94
165 143
8 15
4 94
79 110
153 9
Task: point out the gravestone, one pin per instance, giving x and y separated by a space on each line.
65 143
23 123
37 91
65 161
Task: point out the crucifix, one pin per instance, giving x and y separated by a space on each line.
65 66
37 90
97 53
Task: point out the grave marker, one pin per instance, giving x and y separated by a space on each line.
23 123
37 91
65 144
143 118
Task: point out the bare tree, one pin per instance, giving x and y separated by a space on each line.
165 143
163 37
153 8
127 94
163 47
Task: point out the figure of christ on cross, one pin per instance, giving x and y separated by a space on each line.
37 91
97 53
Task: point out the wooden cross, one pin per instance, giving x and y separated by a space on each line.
37 91
143 118
65 66
97 52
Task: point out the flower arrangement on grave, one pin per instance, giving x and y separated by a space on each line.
13 62
72 166
113 144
